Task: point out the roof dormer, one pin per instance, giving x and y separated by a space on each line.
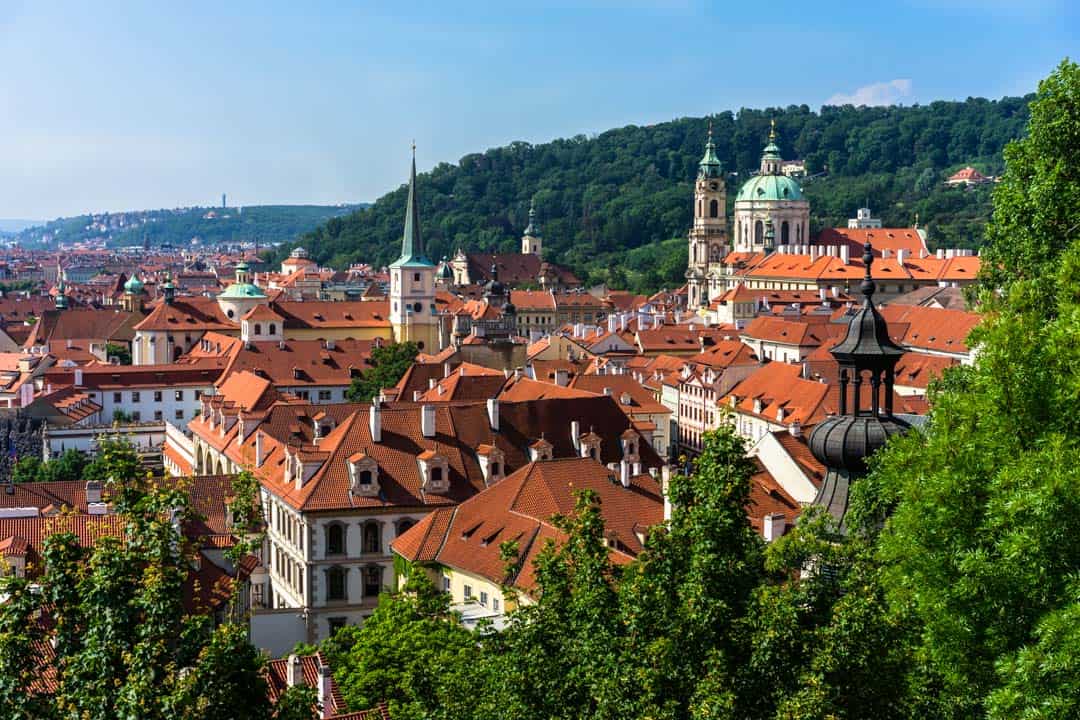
541 450
631 445
434 472
363 475
590 446
492 463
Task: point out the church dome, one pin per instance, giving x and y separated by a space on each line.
133 285
843 442
770 187
446 272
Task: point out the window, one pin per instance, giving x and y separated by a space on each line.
157 396
335 584
158 415
258 328
436 474
495 604
178 415
136 416
372 541
273 328
417 307
416 277
372 581
303 394
335 624
446 584
198 394
230 313
135 396
483 598
178 395
468 592
759 232
404 525
335 539
714 209
324 395
117 397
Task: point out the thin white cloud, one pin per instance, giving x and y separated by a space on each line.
890 92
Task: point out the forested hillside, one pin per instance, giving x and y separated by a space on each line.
629 189
265 223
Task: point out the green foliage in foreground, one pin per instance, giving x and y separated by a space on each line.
601 197
956 594
388 364
125 644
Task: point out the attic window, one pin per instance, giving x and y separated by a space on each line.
468 532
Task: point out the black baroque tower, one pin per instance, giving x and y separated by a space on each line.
867 359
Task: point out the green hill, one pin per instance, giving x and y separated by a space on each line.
212 226
607 203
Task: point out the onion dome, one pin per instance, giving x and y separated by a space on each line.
494 288
709 167
533 228
867 356
445 271
133 286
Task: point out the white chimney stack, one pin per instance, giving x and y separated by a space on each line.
78 377
624 473
562 377
93 491
772 526
665 482
375 422
258 448
326 700
575 434
294 673
493 413
845 254
795 429
427 420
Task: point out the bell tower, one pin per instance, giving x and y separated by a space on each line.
708 236
531 243
412 282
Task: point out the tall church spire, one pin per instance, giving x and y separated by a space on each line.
709 167
412 244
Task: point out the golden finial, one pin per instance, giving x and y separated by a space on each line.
772 130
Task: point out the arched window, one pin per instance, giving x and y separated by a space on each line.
273 328
798 233
372 581
372 538
785 233
759 232
258 328
365 477
714 209
335 539
594 454
417 307
335 584
494 469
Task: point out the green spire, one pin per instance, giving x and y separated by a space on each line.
709 167
412 245
61 294
772 150
533 230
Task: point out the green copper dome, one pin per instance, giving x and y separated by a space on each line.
133 285
770 187
242 290
709 167
446 272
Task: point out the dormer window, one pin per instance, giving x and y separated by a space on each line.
492 463
434 472
630 441
540 450
590 446
363 475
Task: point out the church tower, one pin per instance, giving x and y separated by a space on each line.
412 282
708 236
531 244
771 199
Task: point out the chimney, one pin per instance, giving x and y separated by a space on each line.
886 253
258 448
375 422
624 473
427 420
845 254
940 254
493 413
795 429
635 469
431 384
326 700
612 323
562 377
330 344
78 377
294 673
901 256
447 369
665 482
772 526
93 491
607 391
575 434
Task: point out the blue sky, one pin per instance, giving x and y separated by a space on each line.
125 105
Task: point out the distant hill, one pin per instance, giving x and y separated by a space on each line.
612 206
12 225
211 225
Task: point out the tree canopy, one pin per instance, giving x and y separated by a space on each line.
388 364
609 202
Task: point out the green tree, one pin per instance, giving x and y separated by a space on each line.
389 364
66 466
411 653
115 458
120 352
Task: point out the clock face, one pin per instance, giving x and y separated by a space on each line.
713 186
